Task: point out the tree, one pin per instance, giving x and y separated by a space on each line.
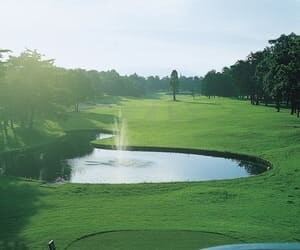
242 74
261 71
272 74
3 94
208 85
284 69
218 84
174 83
255 82
29 81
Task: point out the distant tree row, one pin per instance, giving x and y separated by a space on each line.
32 87
268 76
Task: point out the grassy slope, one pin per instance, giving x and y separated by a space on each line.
262 208
49 130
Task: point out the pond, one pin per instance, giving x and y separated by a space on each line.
74 160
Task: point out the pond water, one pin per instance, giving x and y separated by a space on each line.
73 159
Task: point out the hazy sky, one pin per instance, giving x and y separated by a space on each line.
150 37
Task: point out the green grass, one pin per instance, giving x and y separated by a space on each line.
256 209
48 130
148 240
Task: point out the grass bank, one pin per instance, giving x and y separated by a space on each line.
261 208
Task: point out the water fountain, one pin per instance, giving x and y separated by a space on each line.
120 133
121 157
120 140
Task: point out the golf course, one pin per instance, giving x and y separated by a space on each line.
150 125
261 208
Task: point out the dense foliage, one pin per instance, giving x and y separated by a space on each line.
31 87
271 75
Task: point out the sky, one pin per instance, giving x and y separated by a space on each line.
147 37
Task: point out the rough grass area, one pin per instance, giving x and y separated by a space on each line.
256 209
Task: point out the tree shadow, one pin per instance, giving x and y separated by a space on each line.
104 118
149 96
86 121
2 140
18 204
203 103
107 99
155 96
20 137
24 137
174 101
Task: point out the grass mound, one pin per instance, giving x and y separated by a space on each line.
151 240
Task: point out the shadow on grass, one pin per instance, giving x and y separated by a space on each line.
85 120
194 102
150 96
104 118
107 99
22 137
18 204
203 103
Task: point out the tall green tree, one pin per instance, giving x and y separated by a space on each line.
242 75
283 77
261 71
4 99
174 83
256 85
209 84
29 81
79 87
218 83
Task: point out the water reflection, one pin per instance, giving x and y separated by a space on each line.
251 168
48 163
73 159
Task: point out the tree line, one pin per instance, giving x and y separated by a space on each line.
269 76
33 87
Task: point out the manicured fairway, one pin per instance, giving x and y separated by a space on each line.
257 209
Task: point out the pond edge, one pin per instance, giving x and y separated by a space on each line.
265 164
